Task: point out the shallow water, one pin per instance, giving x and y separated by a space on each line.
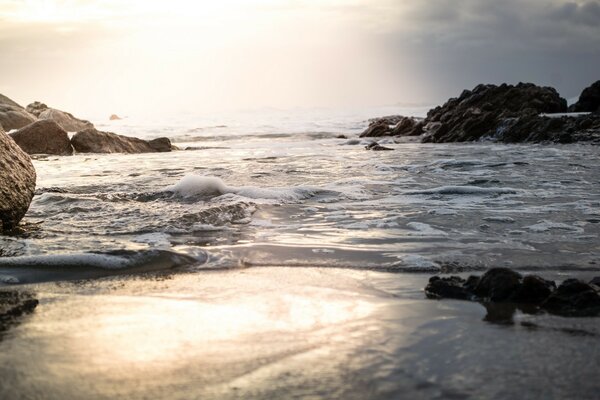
284 191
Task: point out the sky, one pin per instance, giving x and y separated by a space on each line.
152 57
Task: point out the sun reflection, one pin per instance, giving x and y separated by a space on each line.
149 330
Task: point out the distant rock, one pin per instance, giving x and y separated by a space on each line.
480 112
66 120
114 117
12 115
94 141
573 298
589 100
17 182
43 137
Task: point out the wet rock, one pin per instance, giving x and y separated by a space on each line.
43 137
114 117
589 100
574 298
564 129
377 129
64 119
17 182
341 137
596 282
452 287
533 289
377 147
480 112
498 284
12 115
94 141
14 304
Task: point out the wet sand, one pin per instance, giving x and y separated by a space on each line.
293 333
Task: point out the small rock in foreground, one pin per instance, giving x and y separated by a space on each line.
573 298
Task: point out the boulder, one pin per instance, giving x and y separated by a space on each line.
480 112
498 284
12 115
574 298
452 287
396 125
589 100
377 147
377 129
43 137
114 117
94 141
17 182
66 120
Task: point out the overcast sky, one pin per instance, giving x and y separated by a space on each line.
160 57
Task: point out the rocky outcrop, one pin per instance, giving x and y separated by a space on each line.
12 115
589 100
480 112
502 285
539 128
396 125
43 137
94 141
17 182
66 120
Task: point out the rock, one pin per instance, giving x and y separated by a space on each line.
17 182
574 298
482 111
114 117
408 126
377 129
388 120
498 284
564 129
376 147
452 287
533 289
12 115
14 304
66 120
43 137
596 282
589 100
341 137
94 141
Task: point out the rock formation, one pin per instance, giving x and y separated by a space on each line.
12 115
66 120
43 137
94 141
396 125
17 182
589 100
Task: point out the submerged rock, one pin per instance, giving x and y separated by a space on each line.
12 115
377 147
94 141
532 293
17 182
589 100
64 119
43 137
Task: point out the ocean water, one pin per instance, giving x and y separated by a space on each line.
279 188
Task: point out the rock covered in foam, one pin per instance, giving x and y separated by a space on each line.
43 137
94 141
17 182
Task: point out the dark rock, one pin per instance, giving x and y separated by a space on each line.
114 117
447 288
388 120
94 141
12 115
376 147
589 100
14 304
341 137
17 182
564 129
498 284
596 282
480 112
574 298
533 289
377 129
43 137
64 119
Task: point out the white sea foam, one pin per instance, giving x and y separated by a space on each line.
546 226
